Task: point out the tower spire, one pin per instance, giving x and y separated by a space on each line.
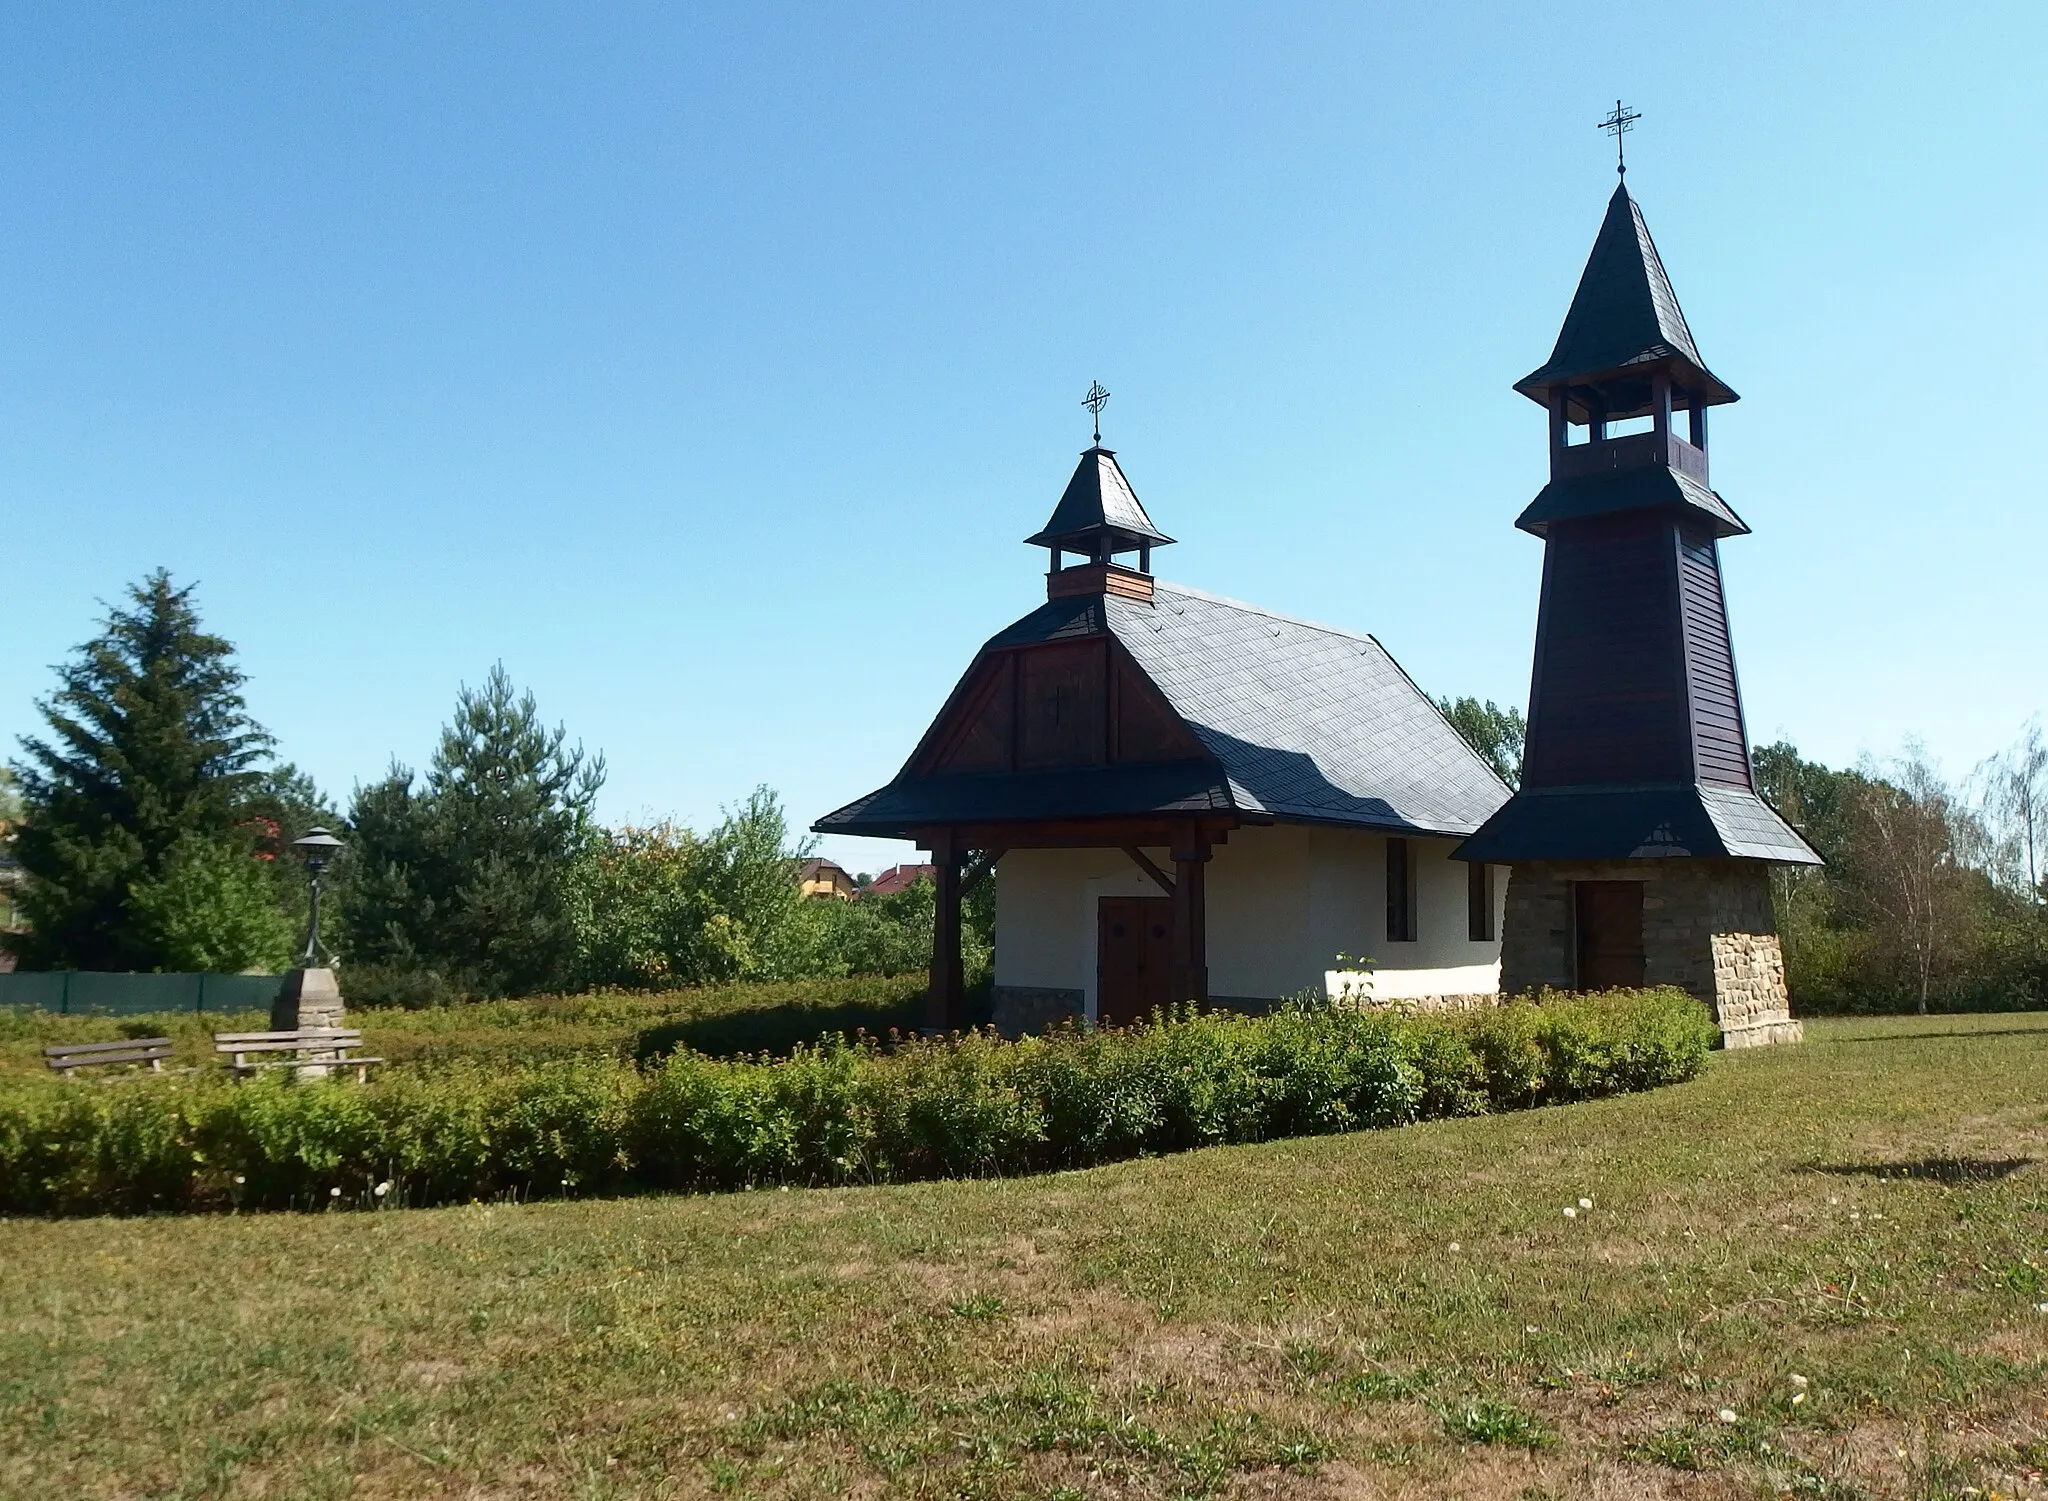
1626 352
1618 124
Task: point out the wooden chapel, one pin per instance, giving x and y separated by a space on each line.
1166 782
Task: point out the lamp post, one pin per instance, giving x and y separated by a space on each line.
309 996
317 846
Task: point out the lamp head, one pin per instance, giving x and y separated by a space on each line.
317 846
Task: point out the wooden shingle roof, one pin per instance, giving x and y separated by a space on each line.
1650 821
1619 490
1624 315
1098 502
1297 721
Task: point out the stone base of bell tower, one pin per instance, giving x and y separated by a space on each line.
1707 929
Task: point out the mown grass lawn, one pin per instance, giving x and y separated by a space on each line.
1401 1313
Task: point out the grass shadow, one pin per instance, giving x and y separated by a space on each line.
777 1030
1945 1170
1926 1036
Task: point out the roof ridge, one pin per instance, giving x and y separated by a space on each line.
1160 585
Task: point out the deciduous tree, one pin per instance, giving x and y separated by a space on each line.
214 909
1497 734
2016 803
1916 841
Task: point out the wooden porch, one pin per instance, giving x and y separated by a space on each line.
1189 839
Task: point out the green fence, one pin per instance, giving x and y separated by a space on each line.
78 991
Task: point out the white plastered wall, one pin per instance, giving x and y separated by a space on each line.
1284 901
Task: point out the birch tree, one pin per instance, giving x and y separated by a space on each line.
2015 801
1914 837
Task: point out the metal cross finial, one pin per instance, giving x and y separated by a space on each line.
1619 124
1094 401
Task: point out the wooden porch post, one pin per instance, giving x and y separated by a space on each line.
946 999
1190 918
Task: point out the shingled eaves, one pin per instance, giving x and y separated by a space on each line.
1647 821
1619 490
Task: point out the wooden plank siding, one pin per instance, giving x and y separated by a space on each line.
979 734
1608 698
1635 674
1054 706
1720 744
1063 705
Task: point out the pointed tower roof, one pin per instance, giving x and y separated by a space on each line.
1099 503
1624 317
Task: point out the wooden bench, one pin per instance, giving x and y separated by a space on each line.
313 1051
150 1050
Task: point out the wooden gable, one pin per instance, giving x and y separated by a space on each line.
1062 705
1052 706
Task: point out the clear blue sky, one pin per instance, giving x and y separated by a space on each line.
705 364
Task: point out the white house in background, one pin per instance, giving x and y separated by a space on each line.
1187 798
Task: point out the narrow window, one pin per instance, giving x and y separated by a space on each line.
1400 891
1479 901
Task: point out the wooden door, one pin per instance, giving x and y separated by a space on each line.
1133 957
1610 924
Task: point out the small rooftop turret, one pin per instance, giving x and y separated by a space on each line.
1098 517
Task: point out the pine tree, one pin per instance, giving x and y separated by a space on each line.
469 874
151 749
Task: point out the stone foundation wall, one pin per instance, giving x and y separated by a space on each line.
1015 1010
1422 1003
1749 979
1707 929
1021 1010
1536 929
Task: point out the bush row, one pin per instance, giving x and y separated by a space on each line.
841 1112
720 1020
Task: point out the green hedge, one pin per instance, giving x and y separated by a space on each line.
842 1112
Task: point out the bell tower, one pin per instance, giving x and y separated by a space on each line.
1640 849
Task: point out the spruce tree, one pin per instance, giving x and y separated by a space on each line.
469 873
150 757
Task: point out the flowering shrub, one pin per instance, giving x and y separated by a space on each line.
841 1112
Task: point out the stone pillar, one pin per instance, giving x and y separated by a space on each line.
1708 929
306 998
1744 957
